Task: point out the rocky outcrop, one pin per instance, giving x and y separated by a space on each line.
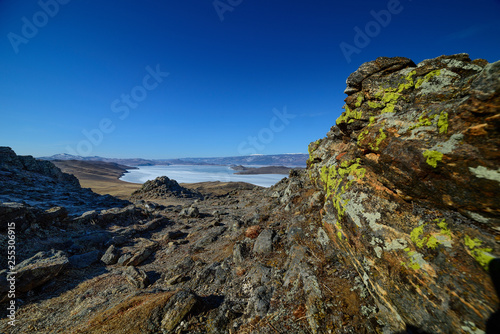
411 185
32 272
41 184
163 187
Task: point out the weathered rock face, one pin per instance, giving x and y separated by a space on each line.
163 187
9 161
33 272
411 183
41 184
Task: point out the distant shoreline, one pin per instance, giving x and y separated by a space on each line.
242 170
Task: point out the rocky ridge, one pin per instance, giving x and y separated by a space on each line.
32 182
375 236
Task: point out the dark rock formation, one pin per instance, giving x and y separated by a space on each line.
163 187
41 184
33 272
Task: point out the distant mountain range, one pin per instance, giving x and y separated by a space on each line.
289 160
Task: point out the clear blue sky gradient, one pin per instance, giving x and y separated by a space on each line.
225 76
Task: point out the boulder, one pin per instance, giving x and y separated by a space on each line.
138 254
191 212
136 277
264 242
111 256
177 308
162 187
35 271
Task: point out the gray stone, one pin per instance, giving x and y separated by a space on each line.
136 277
191 212
264 242
239 253
111 256
124 259
138 255
55 214
487 83
260 301
211 237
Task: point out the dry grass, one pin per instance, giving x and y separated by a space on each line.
101 177
128 317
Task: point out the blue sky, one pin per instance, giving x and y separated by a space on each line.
201 78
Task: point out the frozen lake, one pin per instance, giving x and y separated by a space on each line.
192 174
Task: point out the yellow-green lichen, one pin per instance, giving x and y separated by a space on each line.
349 115
390 99
413 262
359 100
443 122
311 148
423 121
338 179
444 227
363 133
427 77
390 96
375 105
433 157
431 240
415 236
379 139
409 82
389 108
481 255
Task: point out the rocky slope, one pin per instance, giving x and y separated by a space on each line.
391 229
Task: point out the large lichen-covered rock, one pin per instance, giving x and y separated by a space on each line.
411 181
